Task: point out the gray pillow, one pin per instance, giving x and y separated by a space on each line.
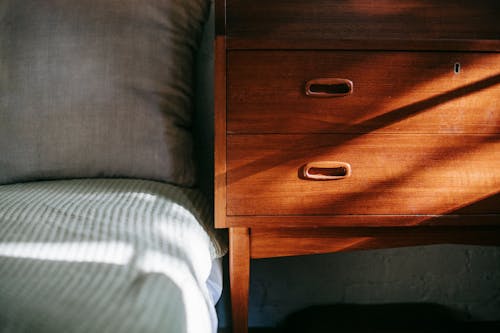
97 88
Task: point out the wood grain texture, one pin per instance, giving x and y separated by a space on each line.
267 243
328 20
392 174
239 275
394 92
220 17
484 45
382 221
220 133
422 139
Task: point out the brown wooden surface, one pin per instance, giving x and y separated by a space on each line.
394 92
313 221
422 141
267 243
391 174
220 133
220 17
328 20
365 44
239 276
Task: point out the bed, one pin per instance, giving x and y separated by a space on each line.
105 167
106 255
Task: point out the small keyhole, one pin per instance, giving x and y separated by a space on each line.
456 68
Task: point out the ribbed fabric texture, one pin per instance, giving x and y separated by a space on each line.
105 255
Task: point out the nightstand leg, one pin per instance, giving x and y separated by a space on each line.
239 276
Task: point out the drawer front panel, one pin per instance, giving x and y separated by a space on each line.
392 92
362 19
391 174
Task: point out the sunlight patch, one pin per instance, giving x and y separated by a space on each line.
118 253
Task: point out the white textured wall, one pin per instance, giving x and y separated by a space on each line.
464 278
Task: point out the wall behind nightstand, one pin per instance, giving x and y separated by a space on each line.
464 278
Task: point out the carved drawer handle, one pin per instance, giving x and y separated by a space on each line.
329 87
326 170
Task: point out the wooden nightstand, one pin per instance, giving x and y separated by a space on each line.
347 125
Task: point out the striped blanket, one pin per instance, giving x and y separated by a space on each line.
105 255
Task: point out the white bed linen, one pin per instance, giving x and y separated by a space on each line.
107 255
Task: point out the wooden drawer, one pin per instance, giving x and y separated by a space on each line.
393 92
415 128
392 174
302 23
